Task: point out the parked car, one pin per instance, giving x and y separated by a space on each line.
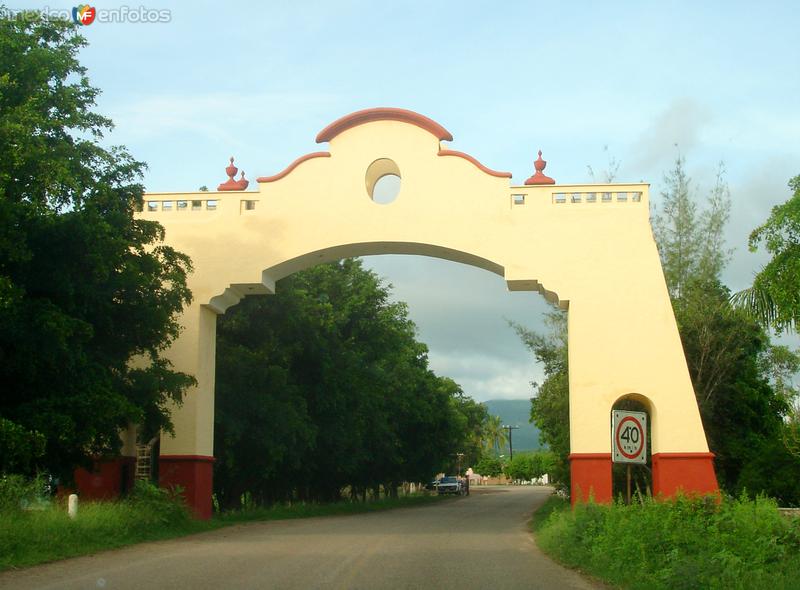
450 484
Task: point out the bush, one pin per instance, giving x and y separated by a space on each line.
19 448
18 492
158 506
685 543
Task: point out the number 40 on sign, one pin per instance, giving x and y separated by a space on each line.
628 437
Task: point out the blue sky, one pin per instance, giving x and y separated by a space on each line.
259 80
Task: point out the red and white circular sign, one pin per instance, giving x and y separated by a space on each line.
629 437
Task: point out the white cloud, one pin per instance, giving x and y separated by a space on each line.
486 377
681 123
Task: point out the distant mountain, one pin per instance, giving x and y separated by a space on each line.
516 412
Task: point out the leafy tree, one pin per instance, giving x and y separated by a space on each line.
728 354
774 298
323 387
533 465
84 287
521 467
490 466
544 463
783 365
741 412
472 421
550 405
691 242
19 448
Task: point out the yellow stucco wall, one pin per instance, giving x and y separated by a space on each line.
598 259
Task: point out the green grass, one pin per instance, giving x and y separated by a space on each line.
37 536
552 504
28 538
681 544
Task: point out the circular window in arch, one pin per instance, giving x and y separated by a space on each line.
383 181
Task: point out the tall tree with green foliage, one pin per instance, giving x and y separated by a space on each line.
774 298
530 465
84 287
323 386
470 422
783 367
728 354
690 241
550 405
489 465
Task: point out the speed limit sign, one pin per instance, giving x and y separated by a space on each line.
628 437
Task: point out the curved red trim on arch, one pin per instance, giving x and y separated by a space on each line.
474 161
292 166
383 114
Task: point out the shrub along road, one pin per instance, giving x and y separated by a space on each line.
482 541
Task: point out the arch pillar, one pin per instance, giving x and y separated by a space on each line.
186 459
622 343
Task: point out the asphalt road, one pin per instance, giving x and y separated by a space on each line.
481 541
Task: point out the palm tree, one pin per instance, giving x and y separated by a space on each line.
774 298
758 303
494 435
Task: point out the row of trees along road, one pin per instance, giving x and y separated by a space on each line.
743 382
525 465
323 387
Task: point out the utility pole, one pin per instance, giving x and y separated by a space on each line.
510 444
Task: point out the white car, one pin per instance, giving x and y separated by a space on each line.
450 484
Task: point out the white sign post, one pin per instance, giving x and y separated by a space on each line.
628 440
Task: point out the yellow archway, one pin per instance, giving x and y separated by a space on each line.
587 248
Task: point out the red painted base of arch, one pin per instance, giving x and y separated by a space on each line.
106 481
194 474
591 477
688 473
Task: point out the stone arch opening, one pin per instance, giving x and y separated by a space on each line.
310 260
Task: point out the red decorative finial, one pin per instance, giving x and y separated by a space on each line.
539 177
231 184
242 182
